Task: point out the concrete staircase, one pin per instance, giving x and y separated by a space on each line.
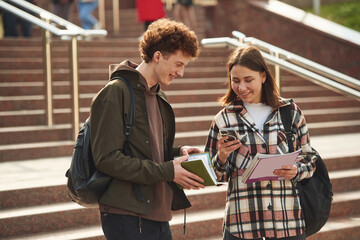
34 157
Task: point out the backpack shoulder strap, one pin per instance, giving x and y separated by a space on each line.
127 149
132 106
286 118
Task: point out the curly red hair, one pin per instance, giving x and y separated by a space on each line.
168 36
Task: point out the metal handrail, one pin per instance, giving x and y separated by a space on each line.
292 63
70 28
71 32
116 15
301 61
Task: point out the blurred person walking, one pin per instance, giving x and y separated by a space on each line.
11 23
63 8
184 11
85 9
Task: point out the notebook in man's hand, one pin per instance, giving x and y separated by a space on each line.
263 165
200 164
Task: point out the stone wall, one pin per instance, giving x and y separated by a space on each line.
309 3
255 21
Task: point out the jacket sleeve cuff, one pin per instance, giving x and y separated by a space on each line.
301 173
176 151
169 168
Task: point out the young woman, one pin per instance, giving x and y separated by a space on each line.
269 209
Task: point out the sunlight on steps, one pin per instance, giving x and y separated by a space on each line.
194 101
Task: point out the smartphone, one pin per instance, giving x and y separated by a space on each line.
230 133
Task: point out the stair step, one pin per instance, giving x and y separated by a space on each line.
342 228
348 144
31 174
21 151
25 191
349 160
18 89
35 196
123 52
53 170
38 150
88 232
37 210
46 218
88 63
94 74
333 230
27 134
200 124
334 127
345 204
197 222
345 180
333 124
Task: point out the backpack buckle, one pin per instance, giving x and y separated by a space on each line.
290 136
127 130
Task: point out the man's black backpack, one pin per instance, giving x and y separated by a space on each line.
315 192
85 183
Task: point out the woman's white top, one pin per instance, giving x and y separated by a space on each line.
259 113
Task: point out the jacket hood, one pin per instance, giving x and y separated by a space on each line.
130 67
127 65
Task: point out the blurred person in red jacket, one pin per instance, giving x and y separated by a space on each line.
149 11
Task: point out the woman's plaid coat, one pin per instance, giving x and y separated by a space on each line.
266 208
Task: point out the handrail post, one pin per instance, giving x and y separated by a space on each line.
75 85
277 72
102 13
168 4
316 6
116 17
48 75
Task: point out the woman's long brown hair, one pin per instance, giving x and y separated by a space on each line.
250 57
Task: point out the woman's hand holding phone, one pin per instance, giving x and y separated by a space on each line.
228 142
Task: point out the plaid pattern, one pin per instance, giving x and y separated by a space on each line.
266 208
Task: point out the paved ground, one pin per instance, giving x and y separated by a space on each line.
51 172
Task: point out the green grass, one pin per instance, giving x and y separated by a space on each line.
346 14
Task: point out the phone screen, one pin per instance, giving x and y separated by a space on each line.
231 133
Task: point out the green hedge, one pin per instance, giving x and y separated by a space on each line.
346 14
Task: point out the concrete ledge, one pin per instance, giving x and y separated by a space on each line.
312 20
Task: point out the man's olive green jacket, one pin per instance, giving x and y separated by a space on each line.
108 116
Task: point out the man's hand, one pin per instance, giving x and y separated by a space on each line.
187 150
185 178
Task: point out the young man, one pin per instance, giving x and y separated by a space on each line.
126 213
